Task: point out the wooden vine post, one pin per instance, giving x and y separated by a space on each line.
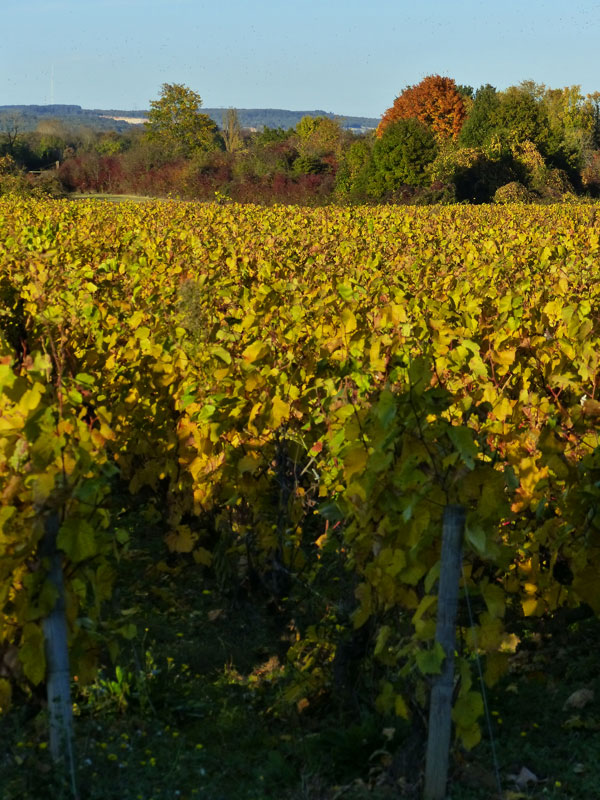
58 676
440 709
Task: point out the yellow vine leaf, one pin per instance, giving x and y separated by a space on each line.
255 351
181 540
280 410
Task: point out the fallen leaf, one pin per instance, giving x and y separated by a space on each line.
579 699
214 614
524 778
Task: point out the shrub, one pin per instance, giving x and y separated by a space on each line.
513 192
309 165
49 184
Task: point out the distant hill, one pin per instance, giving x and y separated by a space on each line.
119 119
74 116
280 118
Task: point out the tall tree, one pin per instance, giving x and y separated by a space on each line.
435 101
232 131
175 122
10 128
401 157
593 103
479 123
319 136
519 117
571 121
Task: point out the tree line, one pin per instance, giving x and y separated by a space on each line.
438 142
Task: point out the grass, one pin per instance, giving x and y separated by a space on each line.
196 710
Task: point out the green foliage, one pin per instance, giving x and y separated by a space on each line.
474 173
309 165
519 117
176 124
273 135
401 156
319 136
354 169
367 364
307 126
479 125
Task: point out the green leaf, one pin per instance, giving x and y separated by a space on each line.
467 709
462 439
82 377
202 556
223 354
494 599
31 398
385 410
75 397
385 700
355 461
345 292
331 511
121 535
208 409
32 654
476 536
382 637
469 736
430 661
77 539
128 631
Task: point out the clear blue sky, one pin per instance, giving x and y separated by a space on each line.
346 56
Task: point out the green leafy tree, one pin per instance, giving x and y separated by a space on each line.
319 136
465 91
307 126
479 124
401 157
571 121
175 122
232 131
593 103
270 136
353 173
520 117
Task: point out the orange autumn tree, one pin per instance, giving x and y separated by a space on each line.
434 101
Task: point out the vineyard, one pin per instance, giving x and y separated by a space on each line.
261 414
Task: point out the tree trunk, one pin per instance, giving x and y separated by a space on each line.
440 709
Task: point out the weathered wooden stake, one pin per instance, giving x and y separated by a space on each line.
440 709
58 676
